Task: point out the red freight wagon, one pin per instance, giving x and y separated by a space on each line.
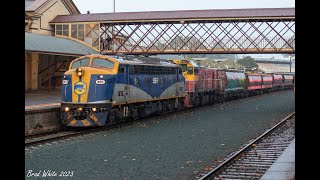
288 80
266 81
254 81
205 80
219 80
277 81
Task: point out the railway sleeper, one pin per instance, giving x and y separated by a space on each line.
251 165
235 176
256 158
262 157
270 151
255 161
242 173
264 154
273 145
270 148
242 169
259 155
245 169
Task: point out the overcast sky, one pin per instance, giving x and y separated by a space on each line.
106 6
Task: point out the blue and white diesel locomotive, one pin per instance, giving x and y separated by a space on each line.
98 90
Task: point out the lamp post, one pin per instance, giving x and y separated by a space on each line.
112 33
290 62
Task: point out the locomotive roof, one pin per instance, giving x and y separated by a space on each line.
193 63
142 60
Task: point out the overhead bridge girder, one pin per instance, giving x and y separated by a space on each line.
272 35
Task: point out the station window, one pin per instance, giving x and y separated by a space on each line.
88 33
62 30
58 29
65 30
74 30
81 32
102 63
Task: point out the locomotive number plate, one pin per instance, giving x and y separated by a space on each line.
100 82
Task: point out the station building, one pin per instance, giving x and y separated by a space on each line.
49 48
45 55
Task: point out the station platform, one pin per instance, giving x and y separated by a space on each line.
42 99
42 111
284 167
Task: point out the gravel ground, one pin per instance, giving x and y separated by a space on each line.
175 146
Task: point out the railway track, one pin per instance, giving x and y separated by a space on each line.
48 137
33 140
253 160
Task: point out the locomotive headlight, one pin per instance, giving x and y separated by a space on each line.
80 109
80 71
101 76
66 109
94 109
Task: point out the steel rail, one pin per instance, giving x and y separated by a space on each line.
58 137
213 172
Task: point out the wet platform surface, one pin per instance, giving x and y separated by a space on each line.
42 99
284 167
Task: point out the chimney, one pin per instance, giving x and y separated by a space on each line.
88 12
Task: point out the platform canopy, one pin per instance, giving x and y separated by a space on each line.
55 45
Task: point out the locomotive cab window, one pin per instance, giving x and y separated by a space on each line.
81 62
102 63
184 67
190 70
